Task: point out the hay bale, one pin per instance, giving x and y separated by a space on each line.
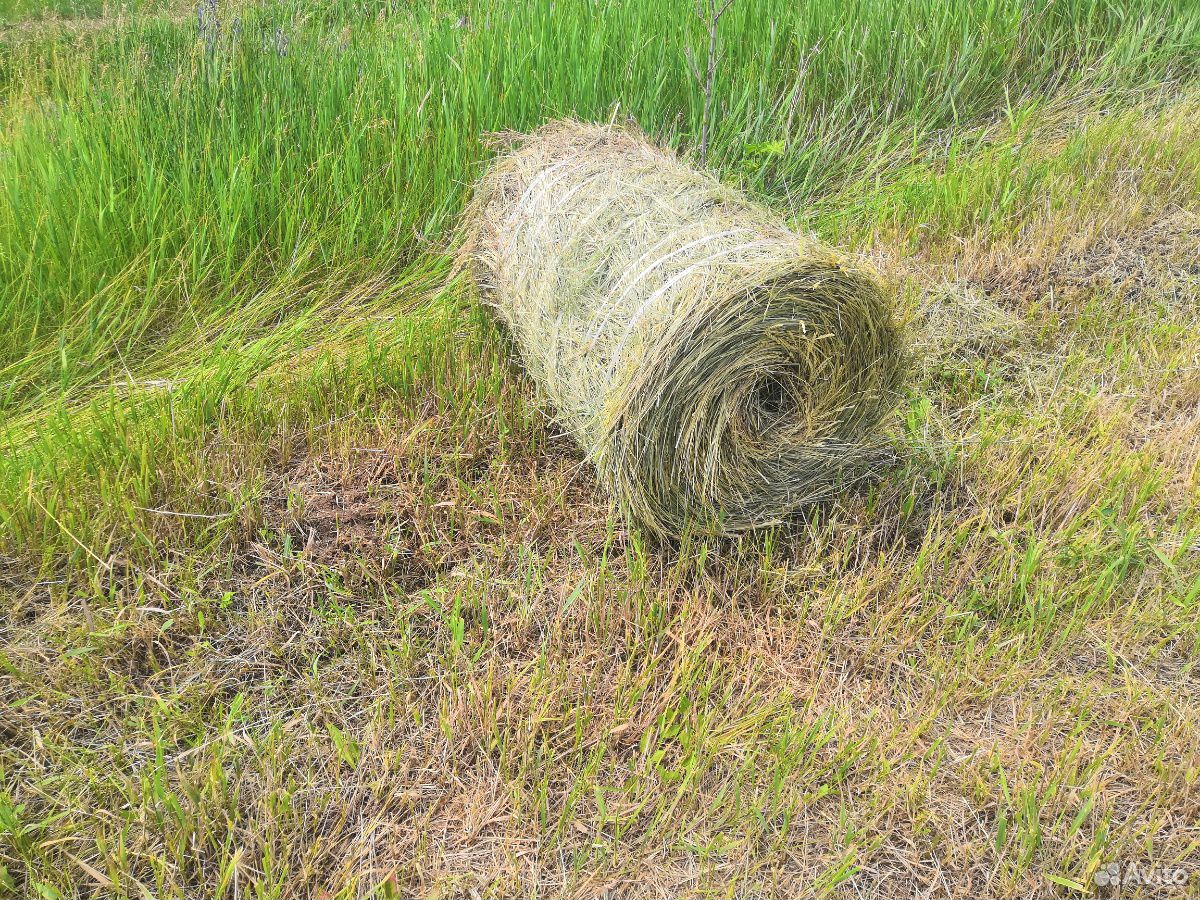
720 370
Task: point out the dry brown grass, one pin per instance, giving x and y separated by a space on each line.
1156 257
512 698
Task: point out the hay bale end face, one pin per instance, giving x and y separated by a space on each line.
720 370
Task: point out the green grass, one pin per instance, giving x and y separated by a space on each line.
302 592
74 13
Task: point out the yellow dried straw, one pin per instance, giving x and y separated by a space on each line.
720 370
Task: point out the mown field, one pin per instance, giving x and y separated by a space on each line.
303 594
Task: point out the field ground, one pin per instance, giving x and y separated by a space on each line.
304 594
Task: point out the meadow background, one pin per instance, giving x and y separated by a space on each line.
304 594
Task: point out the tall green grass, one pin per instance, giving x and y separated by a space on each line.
154 178
17 11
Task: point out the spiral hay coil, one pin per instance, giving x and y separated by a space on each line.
719 370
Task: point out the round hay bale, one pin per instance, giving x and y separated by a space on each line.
719 369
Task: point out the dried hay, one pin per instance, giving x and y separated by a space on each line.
959 321
719 369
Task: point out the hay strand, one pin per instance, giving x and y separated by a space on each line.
720 370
